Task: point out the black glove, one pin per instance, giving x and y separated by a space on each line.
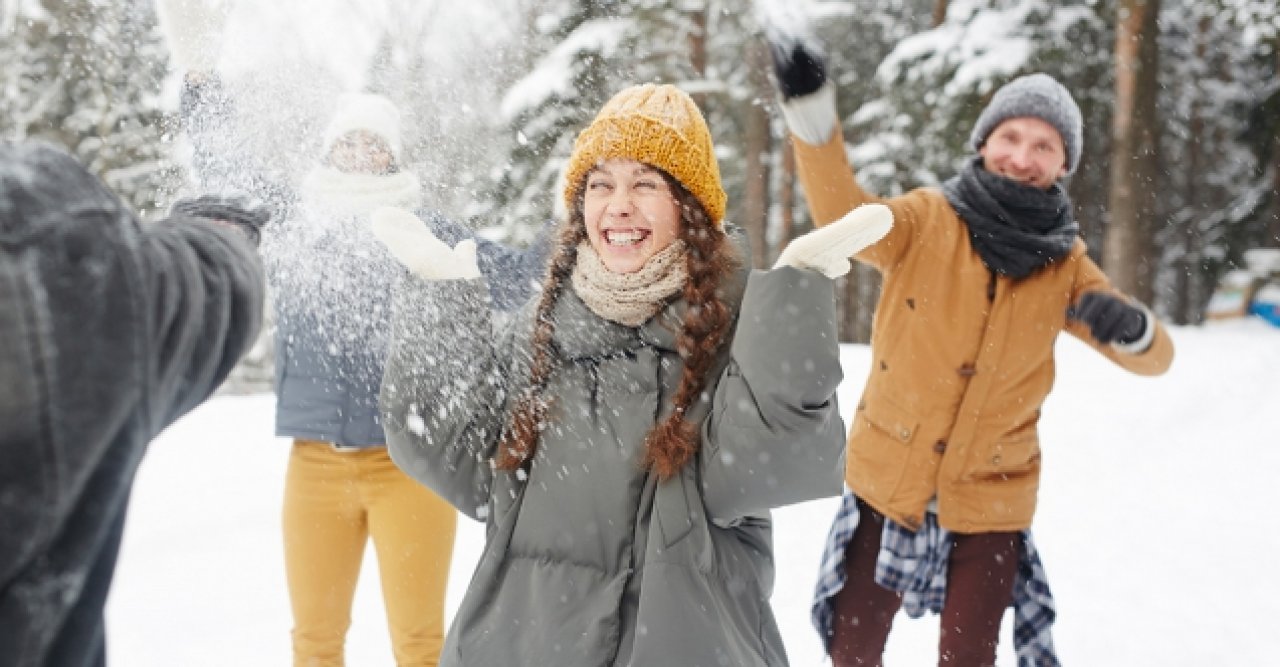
1110 319
241 213
798 63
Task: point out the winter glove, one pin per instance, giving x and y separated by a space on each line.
239 212
827 250
1110 318
799 67
411 242
193 30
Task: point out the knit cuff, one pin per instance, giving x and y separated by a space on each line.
1143 343
812 118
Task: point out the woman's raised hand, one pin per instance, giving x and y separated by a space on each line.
411 242
827 250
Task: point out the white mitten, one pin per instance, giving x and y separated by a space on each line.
827 249
193 30
409 240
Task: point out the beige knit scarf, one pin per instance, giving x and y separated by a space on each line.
629 299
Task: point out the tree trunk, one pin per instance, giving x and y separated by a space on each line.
1127 255
786 198
1187 274
939 12
697 40
757 142
861 289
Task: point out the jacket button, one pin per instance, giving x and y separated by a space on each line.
995 460
967 370
905 434
940 446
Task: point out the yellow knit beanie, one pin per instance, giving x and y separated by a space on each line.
656 124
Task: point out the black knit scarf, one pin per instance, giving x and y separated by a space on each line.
1016 228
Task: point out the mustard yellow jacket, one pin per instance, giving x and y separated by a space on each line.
961 360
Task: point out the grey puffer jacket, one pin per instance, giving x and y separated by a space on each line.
590 560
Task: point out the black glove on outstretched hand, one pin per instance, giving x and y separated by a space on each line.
239 212
799 65
800 72
1110 319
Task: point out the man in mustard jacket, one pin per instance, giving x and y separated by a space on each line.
979 278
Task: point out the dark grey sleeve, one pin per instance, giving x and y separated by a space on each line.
774 435
206 299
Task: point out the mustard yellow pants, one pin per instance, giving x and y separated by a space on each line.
333 502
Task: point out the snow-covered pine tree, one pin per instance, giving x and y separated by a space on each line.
574 50
713 50
1258 21
1209 78
445 66
86 74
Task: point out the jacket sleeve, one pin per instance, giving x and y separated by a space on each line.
1154 360
774 435
443 389
206 294
832 190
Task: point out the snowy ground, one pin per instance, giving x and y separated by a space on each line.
1152 525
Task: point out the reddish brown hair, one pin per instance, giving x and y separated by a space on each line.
711 259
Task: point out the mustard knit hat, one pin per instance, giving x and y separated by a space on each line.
658 125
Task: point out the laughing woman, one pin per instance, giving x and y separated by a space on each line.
625 436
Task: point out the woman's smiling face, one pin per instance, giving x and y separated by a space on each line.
630 212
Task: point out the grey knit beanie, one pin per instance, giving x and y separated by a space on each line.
1039 96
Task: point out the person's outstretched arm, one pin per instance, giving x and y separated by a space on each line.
808 104
206 295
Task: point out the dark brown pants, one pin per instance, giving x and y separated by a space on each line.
980 578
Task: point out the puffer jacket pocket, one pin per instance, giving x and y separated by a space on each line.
718 618
544 612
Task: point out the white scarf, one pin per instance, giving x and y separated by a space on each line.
336 193
630 299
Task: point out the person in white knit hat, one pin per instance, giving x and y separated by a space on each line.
330 283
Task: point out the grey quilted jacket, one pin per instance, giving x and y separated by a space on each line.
589 559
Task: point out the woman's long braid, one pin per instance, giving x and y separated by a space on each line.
672 443
519 441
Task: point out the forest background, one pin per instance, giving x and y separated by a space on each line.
1181 99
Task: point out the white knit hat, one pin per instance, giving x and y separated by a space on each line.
365 111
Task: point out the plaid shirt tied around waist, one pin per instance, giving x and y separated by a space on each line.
915 565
